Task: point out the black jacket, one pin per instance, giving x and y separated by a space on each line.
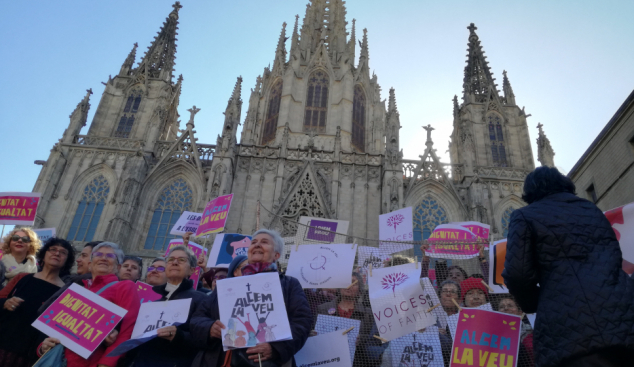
584 301
299 317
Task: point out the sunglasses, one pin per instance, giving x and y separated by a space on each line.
160 269
24 239
101 254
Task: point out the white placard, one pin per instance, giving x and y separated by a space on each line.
531 318
370 255
157 315
330 349
418 349
452 320
320 230
44 233
188 222
226 247
398 301
252 309
327 324
396 226
497 254
432 297
322 266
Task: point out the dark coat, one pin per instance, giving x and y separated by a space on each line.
583 300
299 317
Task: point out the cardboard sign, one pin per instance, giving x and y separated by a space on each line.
146 294
418 349
80 319
215 215
322 266
479 229
196 248
327 324
398 301
18 207
188 222
486 338
226 247
320 230
252 309
462 249
331 348
497 255
396 226
370 255
622 220
45 233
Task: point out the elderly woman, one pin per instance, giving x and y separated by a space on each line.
474 292
155 274
174 345
131 268
19 248
448 292
265 248
22 297
106 259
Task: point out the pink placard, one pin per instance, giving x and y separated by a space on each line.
196 248
80 319
457 242
18 207
486 338
146 294
622 221
195 277
215 215
479 229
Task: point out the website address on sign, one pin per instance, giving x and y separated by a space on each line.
320 362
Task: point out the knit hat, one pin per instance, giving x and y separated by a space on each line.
234 264
472 283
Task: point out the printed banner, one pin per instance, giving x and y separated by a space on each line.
322 266
398 301
196 248
370 255
452 320
320 230
226 247
486 338
479 229
418 349
330 349
215 215
146 294
188 222
254 300
497 255
449 233
396 226
80 319
45 233
18 207
327 324
622 220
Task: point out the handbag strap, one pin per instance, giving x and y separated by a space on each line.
106 286
227 362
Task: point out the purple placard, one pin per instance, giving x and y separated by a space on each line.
316 233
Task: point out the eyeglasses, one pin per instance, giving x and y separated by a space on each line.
58 251
180 260
101 254
24 239
220 277
449 292
160 269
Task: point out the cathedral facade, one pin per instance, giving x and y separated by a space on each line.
317 140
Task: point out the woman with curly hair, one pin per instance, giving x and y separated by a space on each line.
19 248
21 298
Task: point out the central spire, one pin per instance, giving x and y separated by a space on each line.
325 20
478 79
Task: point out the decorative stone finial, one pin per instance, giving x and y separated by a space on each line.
193 111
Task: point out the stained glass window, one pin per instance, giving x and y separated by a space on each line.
174 199
127 120
496 136
317 102
89 210
273 112
506 219
427 215
358 119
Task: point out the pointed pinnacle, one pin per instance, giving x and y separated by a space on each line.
296 23
391 107
174 14
282 40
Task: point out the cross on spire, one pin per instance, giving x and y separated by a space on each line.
177 5
472 28
193 111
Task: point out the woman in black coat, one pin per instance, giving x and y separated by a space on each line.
563 261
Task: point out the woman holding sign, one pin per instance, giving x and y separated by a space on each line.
19 248
22 297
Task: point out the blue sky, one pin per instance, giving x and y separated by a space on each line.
569 62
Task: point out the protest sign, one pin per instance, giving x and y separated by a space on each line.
195 277
321 230
44 233
497 255
80 319
322 266
463 244
432 297
418 349
479 229
196 248
188 222
622 220
331 349
396 226
327 324
226 247
452 320
215 215
370 255
486 338
398 301
252 300
18 207
289 244
146 294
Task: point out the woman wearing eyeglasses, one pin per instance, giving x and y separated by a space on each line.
19 248
105 262
22 297
155 274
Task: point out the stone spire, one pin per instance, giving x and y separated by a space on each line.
295 39
509 96
365 54
280 52
352 42
478 79
324 19
158 61
456 107
128 64
391 105
78 118
545 152
232 117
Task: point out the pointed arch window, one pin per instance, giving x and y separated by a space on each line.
316 102
358 119
174 199
506 219
496 137
427 215
129 114
272 113
89 210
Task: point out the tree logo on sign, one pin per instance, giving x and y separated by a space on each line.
395 220
393 281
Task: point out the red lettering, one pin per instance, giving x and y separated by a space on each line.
385 312
401 306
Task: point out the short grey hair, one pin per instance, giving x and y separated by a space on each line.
190 254
449 281
278 242
117 251
160 258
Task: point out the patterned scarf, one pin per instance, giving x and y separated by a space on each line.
256 268
13 268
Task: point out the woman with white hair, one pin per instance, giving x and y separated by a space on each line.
105 261
265 249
